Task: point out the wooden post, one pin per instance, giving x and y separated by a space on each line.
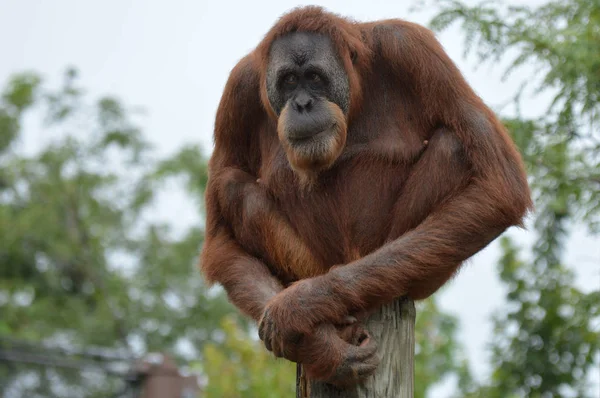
393 327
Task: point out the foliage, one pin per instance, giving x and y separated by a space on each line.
545 342
80 263
243 368
437 352
561 39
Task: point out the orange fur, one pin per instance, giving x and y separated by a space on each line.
427 177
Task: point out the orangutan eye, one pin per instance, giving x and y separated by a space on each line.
313 77
290 80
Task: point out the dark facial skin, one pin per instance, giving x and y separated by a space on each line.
315 68
308 89
305 70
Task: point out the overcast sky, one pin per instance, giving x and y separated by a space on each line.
173 59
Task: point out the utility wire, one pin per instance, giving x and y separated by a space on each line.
90 352
47 360
16 355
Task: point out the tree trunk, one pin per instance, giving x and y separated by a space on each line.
393 327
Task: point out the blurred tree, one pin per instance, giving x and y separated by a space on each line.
437 351
547 340
81 263
243 368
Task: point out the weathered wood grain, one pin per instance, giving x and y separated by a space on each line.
393 329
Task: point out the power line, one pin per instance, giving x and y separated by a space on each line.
90 351
20 356
47 360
